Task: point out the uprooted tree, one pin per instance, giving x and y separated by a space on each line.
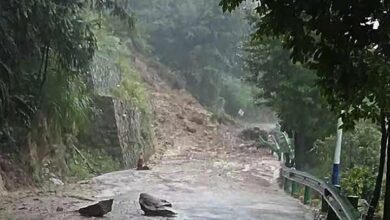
347 44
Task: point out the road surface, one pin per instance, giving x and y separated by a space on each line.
201 181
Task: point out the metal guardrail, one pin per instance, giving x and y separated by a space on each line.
339 204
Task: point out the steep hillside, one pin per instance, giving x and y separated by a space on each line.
178 115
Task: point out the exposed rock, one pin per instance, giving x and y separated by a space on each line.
190 129
179 116
119 131
141 163
13 175
252 133
59 209
84 182
98 209
153 206
56 181
252 144
198 120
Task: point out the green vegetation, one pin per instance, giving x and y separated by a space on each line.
290 91
47 51
131 88
93 162
346 45
41 41
202 45
309 62
359 157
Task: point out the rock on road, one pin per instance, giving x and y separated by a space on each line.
203 172
205 184
201 181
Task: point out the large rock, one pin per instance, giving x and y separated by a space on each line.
153 206
253 134
98 209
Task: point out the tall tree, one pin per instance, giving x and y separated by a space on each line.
200 43
290 91
348 45
39 38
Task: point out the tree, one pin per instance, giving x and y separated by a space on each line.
290 91
359 158
201 44
42 40
347 44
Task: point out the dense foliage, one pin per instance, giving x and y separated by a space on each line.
201 44
45 42
347 44
359 157
290 91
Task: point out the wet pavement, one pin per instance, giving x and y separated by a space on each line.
201 181
204 184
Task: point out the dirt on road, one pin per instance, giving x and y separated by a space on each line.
204 169
202 182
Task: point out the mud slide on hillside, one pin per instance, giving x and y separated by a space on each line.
203 168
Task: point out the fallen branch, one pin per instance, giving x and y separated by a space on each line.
85 160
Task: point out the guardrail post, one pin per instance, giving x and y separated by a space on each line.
307 196
354 201
294 189
332 215
286 185
324 205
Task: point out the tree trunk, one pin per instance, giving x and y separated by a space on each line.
379 178
299 146
386 208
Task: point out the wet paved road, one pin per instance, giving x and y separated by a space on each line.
202 182
205 184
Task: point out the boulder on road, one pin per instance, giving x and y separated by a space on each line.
153 206
98 209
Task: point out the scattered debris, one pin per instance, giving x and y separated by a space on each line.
79 197
153 206
141 163
179 116
253 133
84 182
190 129
196 119
98 209
56 181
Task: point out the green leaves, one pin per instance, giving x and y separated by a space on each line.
228 5
201 44
359 156
333 38
39 41
289 90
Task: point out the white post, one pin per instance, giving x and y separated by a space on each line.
337 153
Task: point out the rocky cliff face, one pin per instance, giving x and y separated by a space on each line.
133 137
118 130
118 127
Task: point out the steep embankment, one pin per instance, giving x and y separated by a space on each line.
201 166
179 116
